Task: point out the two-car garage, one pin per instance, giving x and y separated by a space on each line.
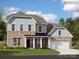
59 44
61 38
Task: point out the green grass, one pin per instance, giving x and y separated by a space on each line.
27 52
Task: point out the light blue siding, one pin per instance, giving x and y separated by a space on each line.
25 22
64 33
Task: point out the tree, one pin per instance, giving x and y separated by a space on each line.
2 28
69 24
73 27
61 21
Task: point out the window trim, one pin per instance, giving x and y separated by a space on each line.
17 43
40 28
13 27
59 32
29 27
21 27
14 41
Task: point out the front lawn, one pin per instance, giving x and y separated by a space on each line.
26 52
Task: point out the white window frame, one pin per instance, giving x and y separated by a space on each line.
17 40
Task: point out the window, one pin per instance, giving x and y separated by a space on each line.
59 32
16 41
21 27
13 27
40 29
29 27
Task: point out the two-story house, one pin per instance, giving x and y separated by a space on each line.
32 31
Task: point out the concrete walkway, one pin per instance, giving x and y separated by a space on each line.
68 51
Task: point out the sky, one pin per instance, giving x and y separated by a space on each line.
51 10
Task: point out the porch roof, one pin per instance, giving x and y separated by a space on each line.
46 36
35 36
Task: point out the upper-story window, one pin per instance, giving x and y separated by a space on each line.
59 32
29 27
21 27
40 29
13 27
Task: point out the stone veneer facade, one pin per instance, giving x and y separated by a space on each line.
17 34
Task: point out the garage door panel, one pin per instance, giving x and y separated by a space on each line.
59 44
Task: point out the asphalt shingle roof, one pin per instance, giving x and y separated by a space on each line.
37 18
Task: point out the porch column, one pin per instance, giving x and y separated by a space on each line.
48 42
40 42
33 43
25 42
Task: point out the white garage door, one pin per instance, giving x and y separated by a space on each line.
59 44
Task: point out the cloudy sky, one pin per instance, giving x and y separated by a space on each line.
51 10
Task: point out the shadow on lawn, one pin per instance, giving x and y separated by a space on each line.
8 53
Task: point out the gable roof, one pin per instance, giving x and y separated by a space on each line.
37 18
58 26
49 27
54 27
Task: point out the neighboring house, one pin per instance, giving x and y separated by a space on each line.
32 31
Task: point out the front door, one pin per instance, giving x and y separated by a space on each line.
44 42
37 43
28 43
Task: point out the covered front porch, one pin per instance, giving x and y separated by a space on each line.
37 42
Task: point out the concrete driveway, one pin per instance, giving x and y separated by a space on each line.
68 51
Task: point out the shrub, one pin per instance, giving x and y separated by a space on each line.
3 45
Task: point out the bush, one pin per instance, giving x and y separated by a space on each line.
15 47
76 45
3 45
